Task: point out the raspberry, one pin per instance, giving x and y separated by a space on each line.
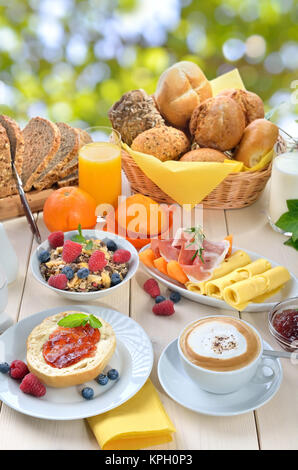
165 308
71 250
56 239
59 281
18 369
151 287
32 385
121 256
97 261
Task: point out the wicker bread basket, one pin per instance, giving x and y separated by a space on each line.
237 190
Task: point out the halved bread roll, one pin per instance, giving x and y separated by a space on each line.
83 371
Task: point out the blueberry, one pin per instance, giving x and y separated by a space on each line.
175 297
102 379
88 393
68 271
44 256
111 245
4 368
83 273
159 298
113 374
115 279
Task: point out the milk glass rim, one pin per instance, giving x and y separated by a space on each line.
221 372
3 279
108 128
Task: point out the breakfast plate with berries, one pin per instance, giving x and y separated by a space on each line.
73 362
84 265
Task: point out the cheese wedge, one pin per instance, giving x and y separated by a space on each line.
240 294
215 287
236 260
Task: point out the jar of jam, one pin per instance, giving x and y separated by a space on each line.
283 324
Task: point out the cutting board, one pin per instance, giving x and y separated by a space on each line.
11 206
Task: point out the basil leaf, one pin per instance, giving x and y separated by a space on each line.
89 245
292 243
79 238
292 205
94 321
288 222
73 320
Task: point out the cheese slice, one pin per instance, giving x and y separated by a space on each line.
239 295
216 287
236 260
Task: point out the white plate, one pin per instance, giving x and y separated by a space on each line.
187 393
288 291
133 359
88 296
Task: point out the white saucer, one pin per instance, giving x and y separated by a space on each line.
133 359
187 393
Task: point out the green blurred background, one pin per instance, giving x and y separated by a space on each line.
69 60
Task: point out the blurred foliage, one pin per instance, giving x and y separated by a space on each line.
71 59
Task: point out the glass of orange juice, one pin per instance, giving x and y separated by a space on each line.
100 165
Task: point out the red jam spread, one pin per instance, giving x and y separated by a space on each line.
67 346
286 324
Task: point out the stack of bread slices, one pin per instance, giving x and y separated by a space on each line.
45 153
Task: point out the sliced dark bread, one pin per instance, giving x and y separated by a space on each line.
16 140
72 165
69 146
70 180
42 141
7 182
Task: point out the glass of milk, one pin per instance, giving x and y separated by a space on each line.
284 185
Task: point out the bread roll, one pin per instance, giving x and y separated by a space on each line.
251 104
203 155
218 123
258 139
164 143
86 369
180 89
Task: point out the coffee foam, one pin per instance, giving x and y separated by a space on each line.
216 339
220 343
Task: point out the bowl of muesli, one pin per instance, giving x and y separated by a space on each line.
85 264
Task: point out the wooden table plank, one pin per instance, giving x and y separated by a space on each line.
23 432
194 431
277 420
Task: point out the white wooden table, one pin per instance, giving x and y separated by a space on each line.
274 426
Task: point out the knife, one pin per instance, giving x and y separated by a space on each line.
26 207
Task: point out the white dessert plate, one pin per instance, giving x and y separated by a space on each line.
133 359
288 291
179 386
88 296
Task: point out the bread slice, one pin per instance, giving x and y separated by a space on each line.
83 371
16 140
69 146
42 141
7 181
73 165
71 180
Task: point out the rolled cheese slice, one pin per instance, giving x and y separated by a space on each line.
215 288
236 260
240 294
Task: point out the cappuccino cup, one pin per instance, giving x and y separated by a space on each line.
221 353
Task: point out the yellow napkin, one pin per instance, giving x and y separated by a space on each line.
185 182
138 423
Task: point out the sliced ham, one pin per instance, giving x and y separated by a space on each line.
180 249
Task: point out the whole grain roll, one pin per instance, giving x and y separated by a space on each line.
251 104
218 123
258 139
180 89
203 155
164 143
